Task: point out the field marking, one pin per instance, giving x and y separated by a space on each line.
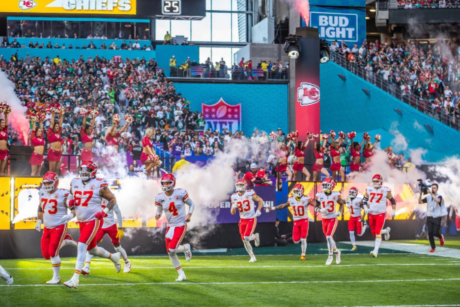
104 267
404 305
270 255
247 282
414 248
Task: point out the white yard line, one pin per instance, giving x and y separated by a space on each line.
414 248
105 267
250 283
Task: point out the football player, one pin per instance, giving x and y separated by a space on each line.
376 198
115 234
6 276
299 204
51 210
355 204
243 201
325 203
172 201
88 193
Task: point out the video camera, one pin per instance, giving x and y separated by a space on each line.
424 186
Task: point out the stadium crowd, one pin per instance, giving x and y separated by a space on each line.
428 4
429 71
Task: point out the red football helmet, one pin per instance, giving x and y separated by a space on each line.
298 190
50 182
88 170
240 185
168 182
328 185
353 192
377 181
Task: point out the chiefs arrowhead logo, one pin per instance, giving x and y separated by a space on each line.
308 94
27 4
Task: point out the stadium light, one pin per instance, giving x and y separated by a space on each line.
292 47
324 52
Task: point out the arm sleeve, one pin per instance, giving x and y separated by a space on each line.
119 216
159 210
191 205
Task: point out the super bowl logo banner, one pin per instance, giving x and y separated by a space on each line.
222 116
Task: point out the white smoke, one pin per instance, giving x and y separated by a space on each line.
449 171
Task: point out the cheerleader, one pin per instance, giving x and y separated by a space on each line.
3 142
369 148
148 155
319 156
336 168
283 154
113 133
355 153
55 140
391 156
300 160
38 145
86 139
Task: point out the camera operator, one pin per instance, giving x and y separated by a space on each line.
434 212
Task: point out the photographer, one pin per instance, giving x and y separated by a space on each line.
434 212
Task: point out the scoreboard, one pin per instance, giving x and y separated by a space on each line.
162 9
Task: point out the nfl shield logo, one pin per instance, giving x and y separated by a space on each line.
222 116
307 94
27 4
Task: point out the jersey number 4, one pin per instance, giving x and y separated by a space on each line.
246 203
78 198
378 197
53 204
172 208
328 205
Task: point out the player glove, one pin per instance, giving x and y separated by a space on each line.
317 209
366 210
66 218
100 215
38 227
258 213
338 213
393 213
120 234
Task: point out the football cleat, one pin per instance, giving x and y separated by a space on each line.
441 240
68 240
374 254
257 240
116 261
127 268
354 249
85 270
253 259
72 283
54 281
181 277
329 260
302 258
386 236
337 257
188 252
6 276
432 250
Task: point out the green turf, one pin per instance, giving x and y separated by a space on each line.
275 279
450 242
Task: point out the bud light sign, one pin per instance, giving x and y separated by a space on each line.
348 25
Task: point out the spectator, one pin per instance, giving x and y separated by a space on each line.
167 38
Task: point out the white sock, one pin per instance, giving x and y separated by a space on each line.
378 240
88 259
352 238
81 255
176 263
384 231
248 247
56 262
362 231
331 245
122 251
251 237
180 249
100 252
303 245
68 242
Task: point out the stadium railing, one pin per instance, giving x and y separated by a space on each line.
423 105
234 74
72 162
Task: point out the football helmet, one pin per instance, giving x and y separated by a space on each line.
240 185
328 185
353 192
168 182
377 181
88 170
50 182
298 190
